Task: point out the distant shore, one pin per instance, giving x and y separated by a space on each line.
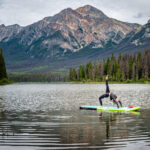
7 81
111 82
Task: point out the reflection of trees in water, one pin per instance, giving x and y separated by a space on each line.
87 130
5 128
91 129
95 130
145 123
2 128
115 125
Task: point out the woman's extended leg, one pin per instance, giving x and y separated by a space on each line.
101 97
107 87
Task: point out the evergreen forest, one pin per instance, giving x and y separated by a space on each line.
123 68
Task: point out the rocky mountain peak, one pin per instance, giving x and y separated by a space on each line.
69 30
90 11
67 10
85 8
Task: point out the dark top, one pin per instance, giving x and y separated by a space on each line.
112 96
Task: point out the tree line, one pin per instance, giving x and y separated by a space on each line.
3 73
127 67
39 77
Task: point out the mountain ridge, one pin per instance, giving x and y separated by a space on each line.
64 36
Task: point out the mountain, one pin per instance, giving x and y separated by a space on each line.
8 32
67 39
136 40
141 37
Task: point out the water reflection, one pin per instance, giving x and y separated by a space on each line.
29 121
82 130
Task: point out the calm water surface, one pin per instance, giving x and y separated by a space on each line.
47 116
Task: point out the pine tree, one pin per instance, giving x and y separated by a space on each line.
107 67
133 72
122 72
3 73
89 70
139 65
81 73
84 72
101 70
126 67
96 76
116 71
145 65
72 74
130 68
119 58
118 75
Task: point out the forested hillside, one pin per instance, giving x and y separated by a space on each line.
127 67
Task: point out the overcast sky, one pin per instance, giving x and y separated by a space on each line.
25 12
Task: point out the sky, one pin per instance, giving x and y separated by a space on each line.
25 12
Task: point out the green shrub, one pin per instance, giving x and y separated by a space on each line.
128 81
5 81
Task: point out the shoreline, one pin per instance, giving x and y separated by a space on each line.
72 82
110 82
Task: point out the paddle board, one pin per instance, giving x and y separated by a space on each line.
109 108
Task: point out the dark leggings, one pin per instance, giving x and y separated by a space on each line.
104 95
101 97
107 87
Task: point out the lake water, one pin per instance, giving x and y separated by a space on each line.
47 116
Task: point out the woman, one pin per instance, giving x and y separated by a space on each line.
109 94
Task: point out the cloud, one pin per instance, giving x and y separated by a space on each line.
139 15
25 12
126 10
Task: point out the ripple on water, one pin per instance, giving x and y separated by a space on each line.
47 116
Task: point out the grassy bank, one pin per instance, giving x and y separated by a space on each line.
5 81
